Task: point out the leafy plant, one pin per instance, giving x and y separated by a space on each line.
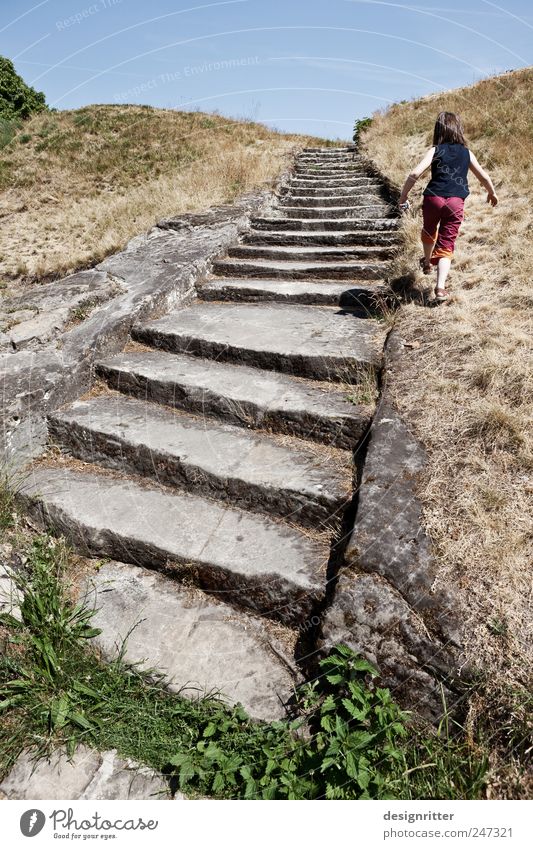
360 125
50 627
356 747
353 751
17 99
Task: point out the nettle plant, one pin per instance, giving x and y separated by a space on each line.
348 746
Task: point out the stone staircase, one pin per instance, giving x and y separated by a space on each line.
219 453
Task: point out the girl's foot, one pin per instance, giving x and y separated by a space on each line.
441 295
425 265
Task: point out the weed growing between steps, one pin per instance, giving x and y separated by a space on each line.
7 500
351 741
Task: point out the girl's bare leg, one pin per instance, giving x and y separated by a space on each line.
443 269
425 262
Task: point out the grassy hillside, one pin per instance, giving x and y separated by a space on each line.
77 185
468 389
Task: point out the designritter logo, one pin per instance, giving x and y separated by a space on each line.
32 822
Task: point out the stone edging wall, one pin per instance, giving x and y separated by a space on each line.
385 605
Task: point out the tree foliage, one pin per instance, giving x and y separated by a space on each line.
360 125
17 99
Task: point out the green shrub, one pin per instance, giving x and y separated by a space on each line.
17 99
360 125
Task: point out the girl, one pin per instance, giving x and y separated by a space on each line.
445 194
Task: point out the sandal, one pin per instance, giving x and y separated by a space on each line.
425 265
441 295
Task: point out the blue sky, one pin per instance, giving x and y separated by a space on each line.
298 65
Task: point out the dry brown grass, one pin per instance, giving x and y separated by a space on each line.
467 391
77 185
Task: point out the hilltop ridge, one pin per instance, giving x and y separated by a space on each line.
77 185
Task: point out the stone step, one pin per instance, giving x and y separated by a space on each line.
324 237
331 183
341 192
349 147
309 253
366 299
275 475
301 270
249 397
315 342
330 168
325 188
250 561
359 223
311 159
320 176
200 644
313 201
328 150
333 212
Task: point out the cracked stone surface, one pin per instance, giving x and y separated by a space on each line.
253 561
374 620
316 342
88 775
288 478
200 645
388 538
246 396
37 313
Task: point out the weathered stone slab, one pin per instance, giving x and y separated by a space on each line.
323 292
356 222
245 396
88 775
251 560
385 605
373 619
309 253
320 237
317 161
351 210
352 198
388 537
316 342
301 270
38 329
310 169
317 185
255 471
37 313
201 646
330 151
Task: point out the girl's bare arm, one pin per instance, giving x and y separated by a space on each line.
484 179
417 172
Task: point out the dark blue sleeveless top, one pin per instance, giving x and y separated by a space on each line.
449 172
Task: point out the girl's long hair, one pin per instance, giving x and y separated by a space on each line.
448 129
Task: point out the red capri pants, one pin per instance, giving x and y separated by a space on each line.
442 219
